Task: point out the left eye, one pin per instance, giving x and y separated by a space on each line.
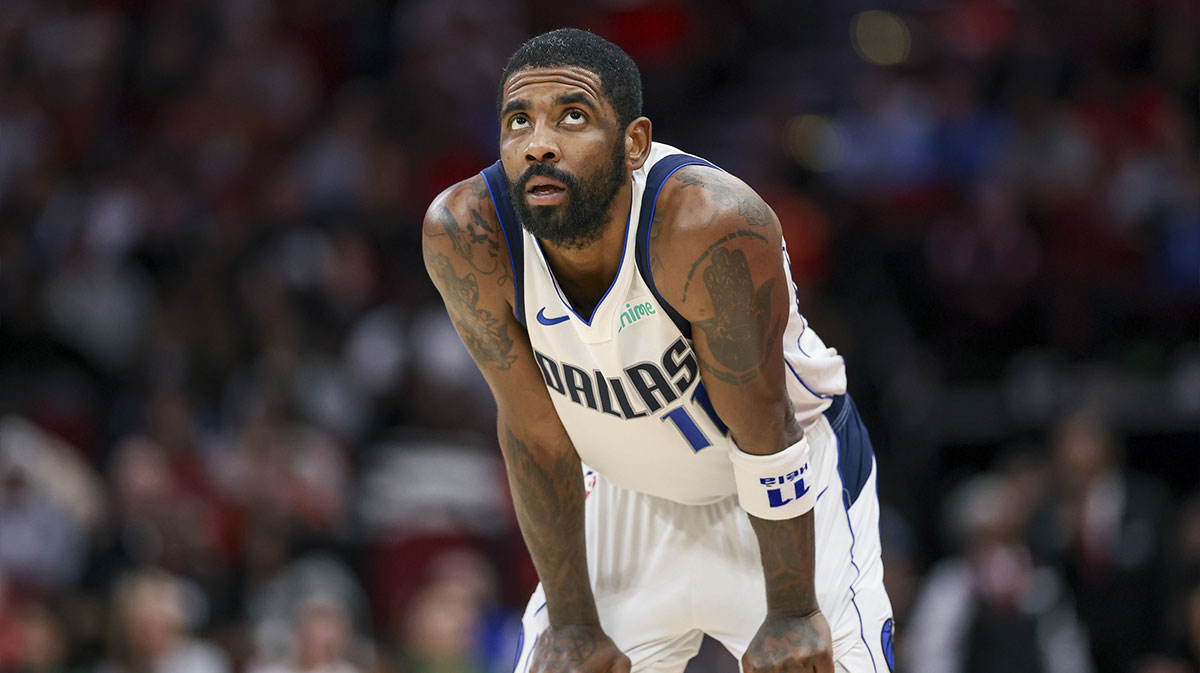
575 116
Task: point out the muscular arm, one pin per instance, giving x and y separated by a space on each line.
464 256
716 253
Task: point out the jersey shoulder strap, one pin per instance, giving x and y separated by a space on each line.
510 226
658 176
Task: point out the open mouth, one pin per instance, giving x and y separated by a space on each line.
545 190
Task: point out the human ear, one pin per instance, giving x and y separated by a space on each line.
637 143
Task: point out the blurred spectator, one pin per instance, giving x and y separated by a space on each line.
1103 527
439 634
1179 648
276 605
322 641
163 517
992 608
283 465
12 636
220 356
1182 653
55 469
1049 158
452 624
45 641
971 136
154 612
48 500
901 564
890 137
987 257
40 547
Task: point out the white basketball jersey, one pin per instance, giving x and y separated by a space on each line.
625 380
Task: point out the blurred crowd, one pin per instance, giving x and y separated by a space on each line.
238 433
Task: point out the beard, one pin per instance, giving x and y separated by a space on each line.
578 221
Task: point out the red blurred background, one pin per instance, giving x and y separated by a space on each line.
238 433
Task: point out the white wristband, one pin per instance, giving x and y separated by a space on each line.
774 486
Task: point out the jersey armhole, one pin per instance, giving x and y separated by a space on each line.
511 228
658 176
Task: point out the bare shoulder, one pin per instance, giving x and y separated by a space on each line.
701 210
462 233
465 256
717 192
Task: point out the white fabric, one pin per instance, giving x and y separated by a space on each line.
638 437
671 553
664 573
775 486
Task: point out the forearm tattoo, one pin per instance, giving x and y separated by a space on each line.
570 647
548 496
787 559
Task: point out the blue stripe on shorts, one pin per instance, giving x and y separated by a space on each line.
855 453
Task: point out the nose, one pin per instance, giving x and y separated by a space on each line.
542 146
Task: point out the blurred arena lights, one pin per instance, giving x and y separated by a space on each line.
815 142
880 37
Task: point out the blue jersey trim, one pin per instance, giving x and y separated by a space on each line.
531 649
659 174
855 453
520 644
810 390
803 329
862 632
511 228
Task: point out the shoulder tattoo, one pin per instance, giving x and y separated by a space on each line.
476 241
748 204
484 335
740 233
740 335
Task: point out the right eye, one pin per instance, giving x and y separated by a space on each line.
518 122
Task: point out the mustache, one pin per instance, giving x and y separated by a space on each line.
546 171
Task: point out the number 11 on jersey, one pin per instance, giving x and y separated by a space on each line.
687 425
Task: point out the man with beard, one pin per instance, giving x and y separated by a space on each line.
682 455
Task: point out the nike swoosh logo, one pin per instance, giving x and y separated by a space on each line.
541 316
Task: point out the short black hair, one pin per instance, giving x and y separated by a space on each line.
619 77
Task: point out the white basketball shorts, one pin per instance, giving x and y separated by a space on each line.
664 574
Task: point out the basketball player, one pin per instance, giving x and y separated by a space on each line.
682 455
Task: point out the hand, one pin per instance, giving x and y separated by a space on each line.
786 644
577 649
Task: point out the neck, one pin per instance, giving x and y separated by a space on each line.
584 274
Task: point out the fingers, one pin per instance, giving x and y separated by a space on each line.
569 651
817 662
